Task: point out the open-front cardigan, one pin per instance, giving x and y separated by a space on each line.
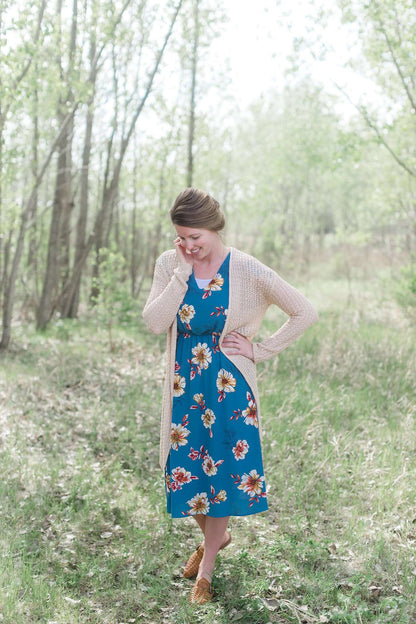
253 288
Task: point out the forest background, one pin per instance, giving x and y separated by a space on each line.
107 110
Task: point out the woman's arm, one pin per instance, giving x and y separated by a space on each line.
301 314
166 295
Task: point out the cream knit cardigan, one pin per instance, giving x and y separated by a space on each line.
252 288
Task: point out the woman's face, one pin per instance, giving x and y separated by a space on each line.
197 242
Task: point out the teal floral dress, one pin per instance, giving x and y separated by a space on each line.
215 463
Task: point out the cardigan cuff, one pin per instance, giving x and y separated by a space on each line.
182 273
262 353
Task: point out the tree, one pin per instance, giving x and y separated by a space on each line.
386 31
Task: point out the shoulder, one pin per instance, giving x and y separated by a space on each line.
246 263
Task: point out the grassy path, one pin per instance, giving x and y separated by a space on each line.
83 533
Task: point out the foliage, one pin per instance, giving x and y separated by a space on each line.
291 172
405 288
113 303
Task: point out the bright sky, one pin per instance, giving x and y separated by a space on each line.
258 41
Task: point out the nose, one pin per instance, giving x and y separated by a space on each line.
189 244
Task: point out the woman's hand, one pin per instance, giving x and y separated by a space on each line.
181 252
237 344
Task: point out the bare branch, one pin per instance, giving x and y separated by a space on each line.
397 66
99 52
371 124
152 75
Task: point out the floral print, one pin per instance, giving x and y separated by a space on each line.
215 284
179 385
202 355
178 435
180 476
210 467
215 464
186 314
241 449
199 504
225 383
208 418
220 497
249 414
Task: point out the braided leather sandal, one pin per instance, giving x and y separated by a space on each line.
192 565
201 592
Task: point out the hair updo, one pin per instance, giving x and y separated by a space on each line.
197 209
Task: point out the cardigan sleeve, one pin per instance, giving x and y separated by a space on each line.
301 314
165 297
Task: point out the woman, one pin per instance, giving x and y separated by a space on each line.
210 299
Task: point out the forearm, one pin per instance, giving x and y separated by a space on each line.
288 333
165 298
301 314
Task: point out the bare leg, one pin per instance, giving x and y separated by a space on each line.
215 535
201 520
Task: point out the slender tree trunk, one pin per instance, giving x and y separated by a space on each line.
10 282
51 280
57 266
33 254
67 206
70 305
111 186
68 203
3 270
191 129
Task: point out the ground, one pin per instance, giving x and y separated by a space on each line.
84 536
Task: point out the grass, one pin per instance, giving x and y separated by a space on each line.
84 537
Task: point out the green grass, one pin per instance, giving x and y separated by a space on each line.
84 537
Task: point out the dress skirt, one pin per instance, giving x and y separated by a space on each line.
215 464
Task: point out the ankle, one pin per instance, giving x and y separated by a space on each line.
204 574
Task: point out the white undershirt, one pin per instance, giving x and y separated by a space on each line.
202 282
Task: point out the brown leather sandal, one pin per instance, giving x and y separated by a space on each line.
192 565
201 592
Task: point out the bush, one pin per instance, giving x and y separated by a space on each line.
406 287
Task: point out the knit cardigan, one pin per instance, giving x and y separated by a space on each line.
253 287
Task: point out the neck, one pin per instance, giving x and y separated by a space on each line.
207 267
217 255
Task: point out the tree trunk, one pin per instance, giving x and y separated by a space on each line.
57 265
10 282
102 223
68 203
70 306
51 280
33 255
191 129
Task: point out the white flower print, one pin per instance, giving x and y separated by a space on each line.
240 450
202 355
179 385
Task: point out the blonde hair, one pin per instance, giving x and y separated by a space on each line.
197 209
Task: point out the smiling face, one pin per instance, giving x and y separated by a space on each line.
201 244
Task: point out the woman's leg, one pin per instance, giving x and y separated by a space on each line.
215 536
201 520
